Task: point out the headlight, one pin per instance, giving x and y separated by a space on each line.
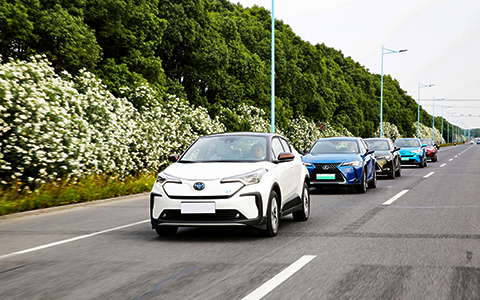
164 178
416 151
384 157
247 178
308 165
354 163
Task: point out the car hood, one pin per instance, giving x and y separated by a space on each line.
331 158
213 170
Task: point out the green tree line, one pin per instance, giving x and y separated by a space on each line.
213 53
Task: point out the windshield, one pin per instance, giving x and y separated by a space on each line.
407 143
427 142
378 145
334 147
232 148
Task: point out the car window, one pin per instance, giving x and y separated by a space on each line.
363 147
277 147
286 146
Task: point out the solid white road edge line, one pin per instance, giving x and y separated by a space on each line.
428 175
395 197
69 240
268 286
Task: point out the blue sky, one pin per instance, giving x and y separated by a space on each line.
442 38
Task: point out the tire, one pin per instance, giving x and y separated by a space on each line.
302 215
362 188
273 217
399 171
422 163
425 162
393 173
166 230
373 183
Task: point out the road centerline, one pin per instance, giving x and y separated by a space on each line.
428 175
394 198
268 286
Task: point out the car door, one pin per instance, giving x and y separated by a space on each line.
368 159
284 171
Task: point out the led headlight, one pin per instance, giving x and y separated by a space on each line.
247 178
164 178
354 163
416 151
308 165
384 157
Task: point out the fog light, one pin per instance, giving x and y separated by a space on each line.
237 216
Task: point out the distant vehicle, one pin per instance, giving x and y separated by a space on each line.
430 148
388 161
412 152
341 161
231 179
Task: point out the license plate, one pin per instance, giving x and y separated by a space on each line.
405 158
197 208
326 176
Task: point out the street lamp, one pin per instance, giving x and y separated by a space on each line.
420 85
381 84
272 100
433 118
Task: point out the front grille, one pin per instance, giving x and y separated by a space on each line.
330 168
219 215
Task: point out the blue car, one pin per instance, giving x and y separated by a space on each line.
412 152
341 161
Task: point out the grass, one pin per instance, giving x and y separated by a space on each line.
19 198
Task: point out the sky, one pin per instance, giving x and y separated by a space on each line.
442 38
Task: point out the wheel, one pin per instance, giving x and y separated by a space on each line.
373 183
273 217
362 188
302 215
435 158
425 162
399 171
392 173
422 163
166 230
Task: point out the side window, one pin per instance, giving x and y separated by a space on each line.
276 148
286 146
363 147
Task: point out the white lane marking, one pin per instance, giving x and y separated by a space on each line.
268 286
428 175
441 166
68 240
395 197
450 159
456 156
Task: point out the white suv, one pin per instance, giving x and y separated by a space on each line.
231 179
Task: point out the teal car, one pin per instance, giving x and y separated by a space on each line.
412 152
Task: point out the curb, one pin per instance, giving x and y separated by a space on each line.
67 206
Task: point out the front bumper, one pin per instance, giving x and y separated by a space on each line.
410 160
333 174
383 166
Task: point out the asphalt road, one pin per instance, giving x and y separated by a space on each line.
414 237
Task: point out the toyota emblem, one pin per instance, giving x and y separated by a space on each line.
198 186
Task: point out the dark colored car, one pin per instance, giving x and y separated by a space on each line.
412 152
430 148
341 161
387 156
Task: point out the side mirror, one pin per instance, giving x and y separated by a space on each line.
285 156
396 149
302 152
437 146
173 158
369 152
424 145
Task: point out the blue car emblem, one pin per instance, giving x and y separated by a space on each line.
199 186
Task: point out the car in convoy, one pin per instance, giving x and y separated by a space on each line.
412 152
341 161
431 149
388 161
231 179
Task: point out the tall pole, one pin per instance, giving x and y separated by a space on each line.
381 84
420 85
272 109
433 118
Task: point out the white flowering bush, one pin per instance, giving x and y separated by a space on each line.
388 131
57 127
427 133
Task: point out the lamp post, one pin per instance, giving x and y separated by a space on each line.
420 85
433 118
272 100
381 84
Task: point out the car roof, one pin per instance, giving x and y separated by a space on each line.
244 133
340 138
